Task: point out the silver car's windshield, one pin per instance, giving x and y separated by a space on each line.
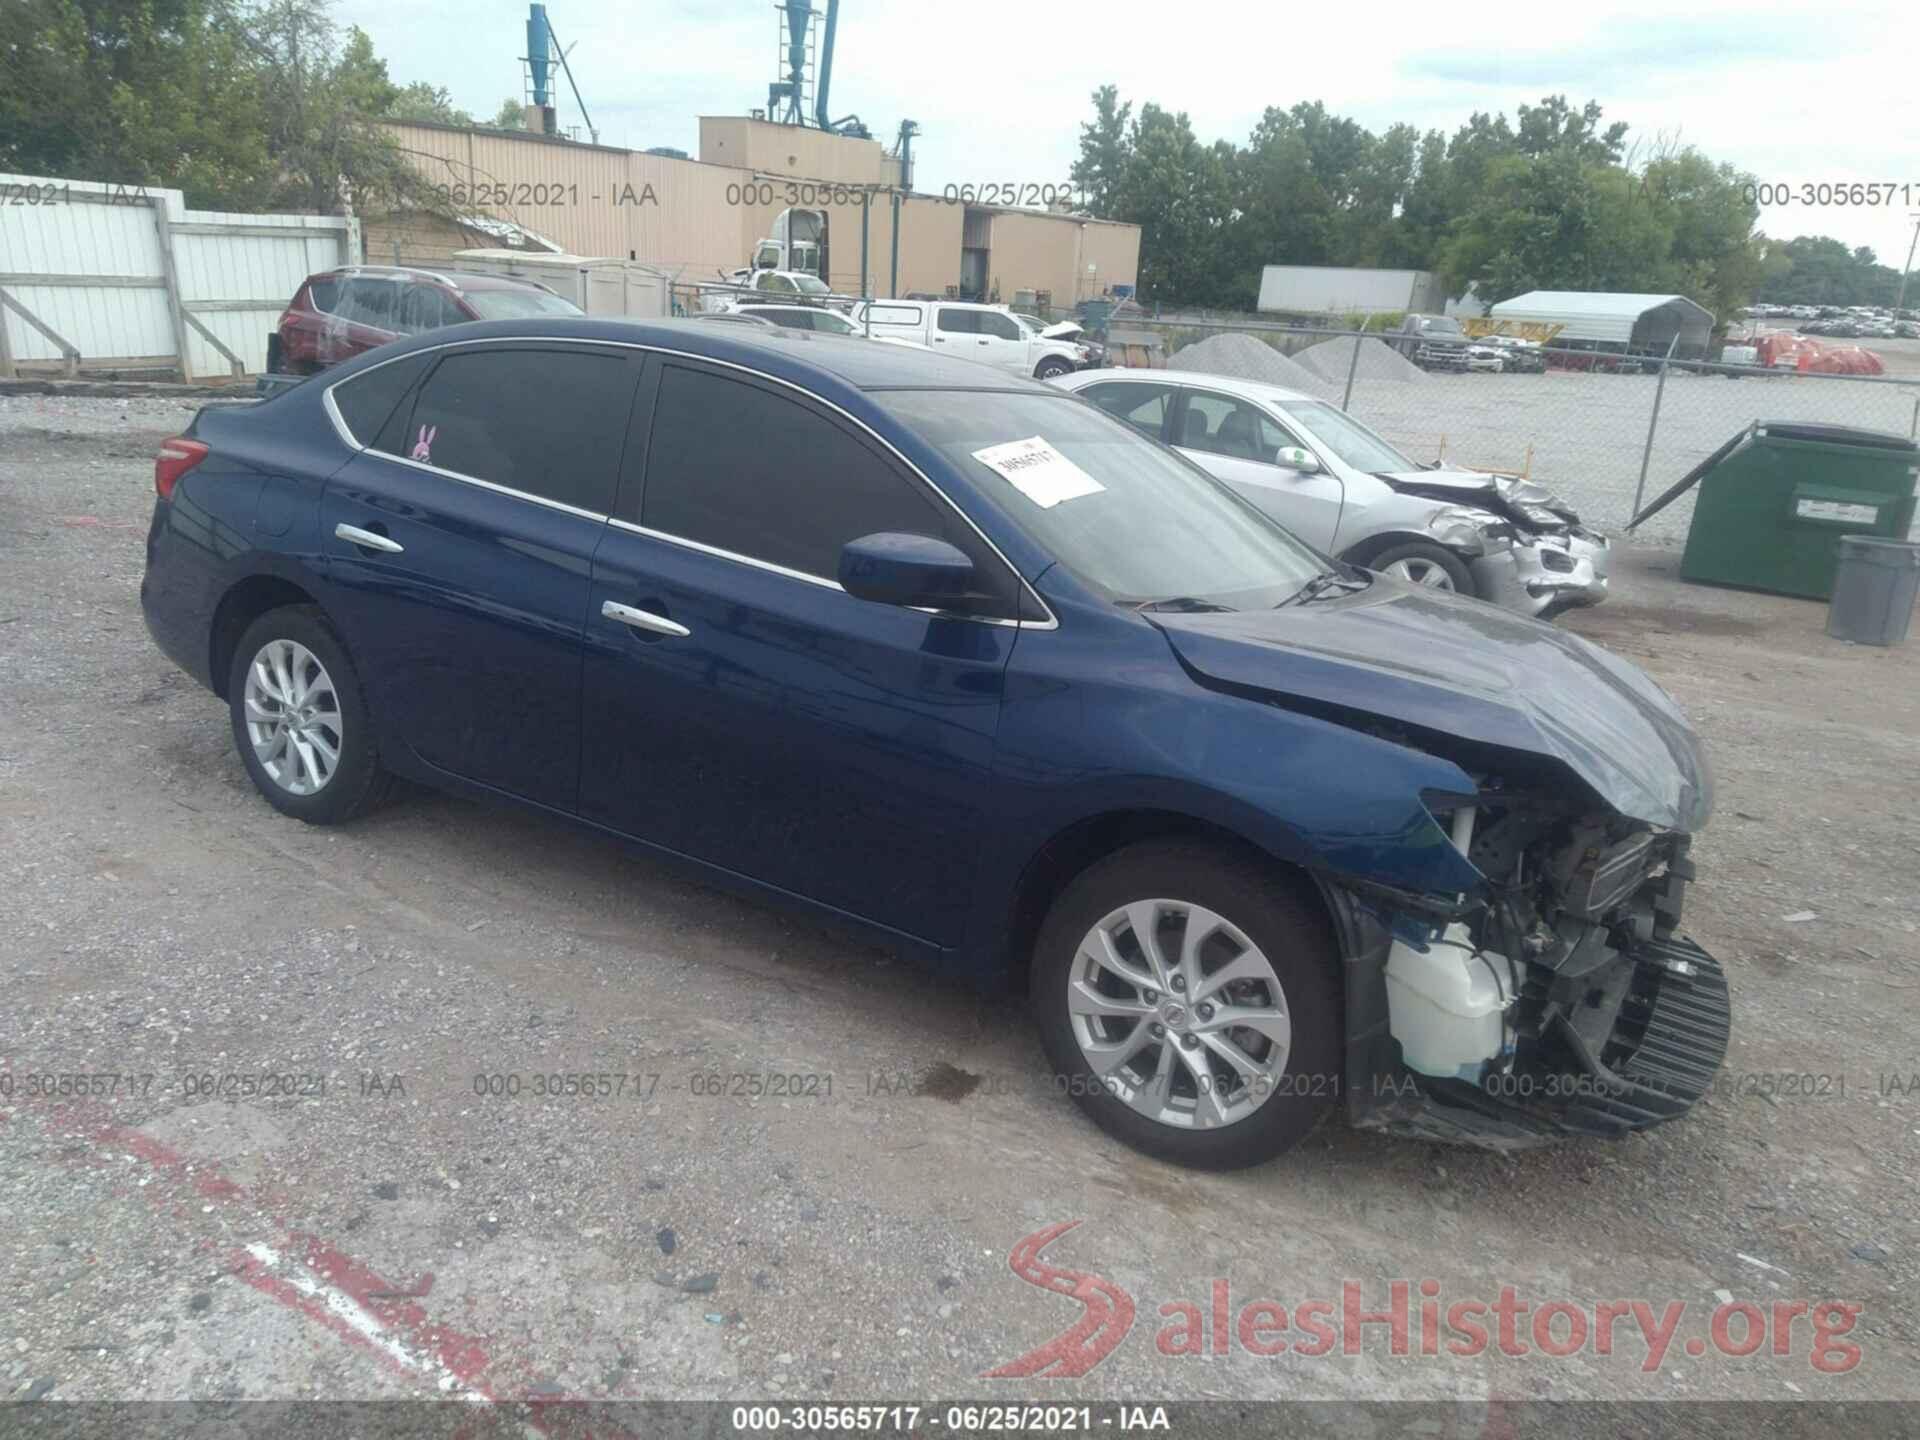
1351 441
1152 527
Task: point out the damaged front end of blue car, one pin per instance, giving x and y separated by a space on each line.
1555 993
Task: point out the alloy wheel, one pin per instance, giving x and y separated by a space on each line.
293 717
1416 571
1179 1015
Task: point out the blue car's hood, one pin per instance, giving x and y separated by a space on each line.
1462 668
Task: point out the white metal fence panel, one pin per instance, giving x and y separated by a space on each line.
96 252
237 273
94 273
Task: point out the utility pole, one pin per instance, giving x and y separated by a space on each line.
1900 299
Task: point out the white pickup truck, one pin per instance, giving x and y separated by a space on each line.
987 333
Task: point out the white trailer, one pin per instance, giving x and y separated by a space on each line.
599 285
1343 289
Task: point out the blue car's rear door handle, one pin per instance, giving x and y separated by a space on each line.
642 619
357 536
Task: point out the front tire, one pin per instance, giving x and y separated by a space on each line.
1215 1041
1050 367
1433 566
300 719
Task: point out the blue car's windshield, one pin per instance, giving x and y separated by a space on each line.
1129 517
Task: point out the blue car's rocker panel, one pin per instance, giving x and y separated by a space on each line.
968 663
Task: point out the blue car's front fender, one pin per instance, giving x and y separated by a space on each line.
1099 718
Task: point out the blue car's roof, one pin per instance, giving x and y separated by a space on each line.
798 355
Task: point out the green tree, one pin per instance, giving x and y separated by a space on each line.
1819 270
1713 254
1427 211
1283 208
1546 201
1179 190
241 104
324 98
512 115
1103 152
1554 126
421 101
133 92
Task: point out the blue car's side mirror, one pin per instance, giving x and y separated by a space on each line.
894 569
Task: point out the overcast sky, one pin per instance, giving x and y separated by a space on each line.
1816 92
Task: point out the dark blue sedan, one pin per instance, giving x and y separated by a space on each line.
961 660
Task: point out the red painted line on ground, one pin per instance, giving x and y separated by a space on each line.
317 1280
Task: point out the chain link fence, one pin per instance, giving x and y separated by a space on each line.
1597 428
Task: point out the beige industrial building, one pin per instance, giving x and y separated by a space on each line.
697 219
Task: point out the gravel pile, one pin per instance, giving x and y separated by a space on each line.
1246 358
1378 361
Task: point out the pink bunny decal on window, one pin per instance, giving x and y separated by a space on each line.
423 444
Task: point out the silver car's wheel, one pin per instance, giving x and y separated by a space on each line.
1416 570
1179 1014
293 717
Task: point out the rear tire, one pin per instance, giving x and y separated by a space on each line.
1270 1081
1431 566
318 763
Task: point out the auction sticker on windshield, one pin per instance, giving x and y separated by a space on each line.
1038 471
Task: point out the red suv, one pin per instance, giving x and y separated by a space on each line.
342 313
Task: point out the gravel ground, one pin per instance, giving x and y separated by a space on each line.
1585 435
399 1234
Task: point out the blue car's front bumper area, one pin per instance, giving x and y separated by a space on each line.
1658 1058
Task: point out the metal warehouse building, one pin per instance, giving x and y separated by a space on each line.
696 218
1646 324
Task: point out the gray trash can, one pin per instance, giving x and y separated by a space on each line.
1873 590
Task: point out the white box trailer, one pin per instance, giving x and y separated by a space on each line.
599 285
1323 289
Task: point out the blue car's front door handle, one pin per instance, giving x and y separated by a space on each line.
643 620
367 539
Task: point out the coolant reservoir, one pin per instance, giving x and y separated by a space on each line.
1445 1005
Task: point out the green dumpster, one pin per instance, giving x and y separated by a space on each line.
1776 498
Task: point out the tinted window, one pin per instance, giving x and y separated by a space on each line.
324 295
829 323
776 284
1003 326
958 322
427 307
374 302
549 422
787 319
370 399
1222 425
894 314
740 468
1144 407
